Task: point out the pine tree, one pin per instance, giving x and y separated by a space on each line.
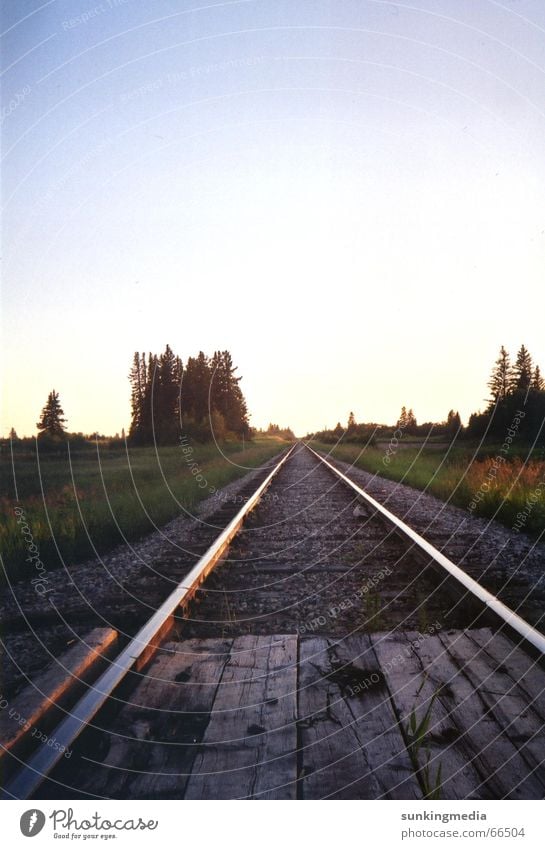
195 390
219 384
149 400
454 422
537 381
52 418
501 379
204 397
522 371
137 377
13 434
411 420
166 392
236 411
402 420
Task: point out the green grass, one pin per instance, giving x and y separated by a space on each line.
511 491
75 503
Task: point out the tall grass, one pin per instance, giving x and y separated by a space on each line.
511 490
75 506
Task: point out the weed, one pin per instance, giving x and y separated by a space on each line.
417 742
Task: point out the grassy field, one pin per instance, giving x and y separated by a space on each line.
511 489
91 500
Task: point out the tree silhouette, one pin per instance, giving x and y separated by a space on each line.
523 370
501 379
167 391
537 381
411 423
52 418
204 398
137 377
454 422
402 420
512 388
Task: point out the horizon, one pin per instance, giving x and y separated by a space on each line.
347 197
283 424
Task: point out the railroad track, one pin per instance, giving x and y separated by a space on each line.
318 648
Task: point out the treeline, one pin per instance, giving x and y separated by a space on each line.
275 430
514 387
201 399
53 433
368 432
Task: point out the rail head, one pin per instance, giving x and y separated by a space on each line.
140 648
534 637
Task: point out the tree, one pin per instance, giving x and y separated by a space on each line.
351 422
454 422
52 418
538 383
411 422
167 391
402 420
204 398
137 377
225 394
512 388
501 379
13 434
194 393
522 371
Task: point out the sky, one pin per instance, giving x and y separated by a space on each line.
346 194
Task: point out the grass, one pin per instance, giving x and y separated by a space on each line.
416 735
78 505
511 490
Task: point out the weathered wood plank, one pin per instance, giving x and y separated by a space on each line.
249 747
350 744
412 691
147 750
498 762
508 704
35 707
250 718
528 674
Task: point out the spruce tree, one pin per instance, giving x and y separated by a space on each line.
411 422
205 397
454 422
522 371
166 392
137 377
52 418
236 417
501 379
537 381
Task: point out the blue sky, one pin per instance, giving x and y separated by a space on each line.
348 195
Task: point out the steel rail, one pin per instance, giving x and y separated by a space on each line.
512 619
133 657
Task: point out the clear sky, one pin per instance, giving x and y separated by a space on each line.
346 194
